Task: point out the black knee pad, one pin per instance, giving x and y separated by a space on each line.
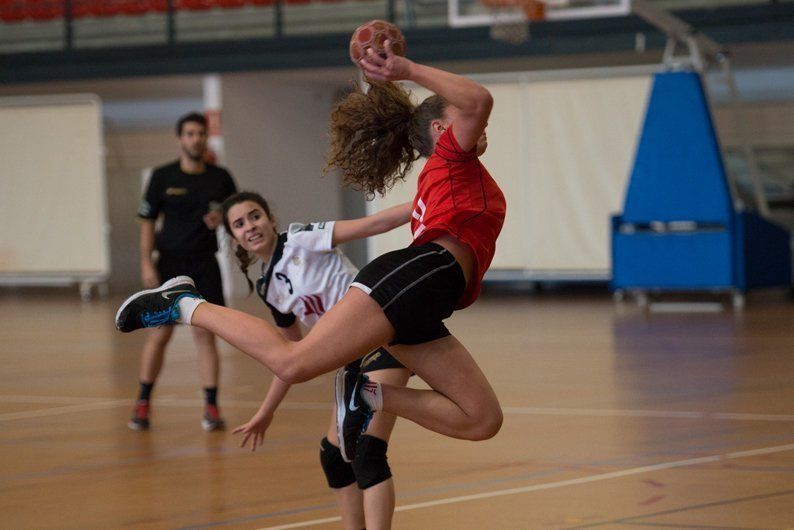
370 465
338 473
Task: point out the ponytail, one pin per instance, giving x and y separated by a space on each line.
371 137
244 260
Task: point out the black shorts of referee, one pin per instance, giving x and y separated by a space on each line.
204 270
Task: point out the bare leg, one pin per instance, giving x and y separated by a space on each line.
377 505
461 404
353 327
379 500
209 363
350 499
351 507
153 353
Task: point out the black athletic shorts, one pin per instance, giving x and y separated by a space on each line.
379 359
417 288
204 271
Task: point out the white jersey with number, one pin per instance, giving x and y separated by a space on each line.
306 275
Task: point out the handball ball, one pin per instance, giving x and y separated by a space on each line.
372 34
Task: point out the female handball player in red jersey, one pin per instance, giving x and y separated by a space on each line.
402 297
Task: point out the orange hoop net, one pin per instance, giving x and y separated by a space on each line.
510 19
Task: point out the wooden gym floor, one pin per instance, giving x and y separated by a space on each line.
614 418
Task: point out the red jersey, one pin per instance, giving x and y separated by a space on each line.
457 196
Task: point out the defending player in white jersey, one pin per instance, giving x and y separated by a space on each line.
302 275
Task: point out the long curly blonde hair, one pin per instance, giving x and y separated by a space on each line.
375 135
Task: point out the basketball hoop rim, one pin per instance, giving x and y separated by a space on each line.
555 12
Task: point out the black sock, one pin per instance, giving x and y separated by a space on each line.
211 395
145 392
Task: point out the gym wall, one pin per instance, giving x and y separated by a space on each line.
561 145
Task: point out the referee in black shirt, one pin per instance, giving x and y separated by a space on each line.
187 194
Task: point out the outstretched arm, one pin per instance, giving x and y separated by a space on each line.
256 427
371 225
472 100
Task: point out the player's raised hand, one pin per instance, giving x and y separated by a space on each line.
392 67
254 430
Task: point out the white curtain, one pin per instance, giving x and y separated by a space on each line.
561 145
52 188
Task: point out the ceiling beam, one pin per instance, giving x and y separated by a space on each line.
728 25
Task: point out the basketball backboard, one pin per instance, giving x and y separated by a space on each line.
466 13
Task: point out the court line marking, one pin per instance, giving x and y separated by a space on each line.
559 484
63 400
555 411
636 520
88 404
295 405
84 407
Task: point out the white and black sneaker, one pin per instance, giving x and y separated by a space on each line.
352 413
155 307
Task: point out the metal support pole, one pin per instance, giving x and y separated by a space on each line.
675 27
170 22
278 13
68 22
410 13
740 124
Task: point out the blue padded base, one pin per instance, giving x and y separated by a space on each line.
675 261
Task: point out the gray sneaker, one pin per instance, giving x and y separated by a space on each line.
352 413
155 307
